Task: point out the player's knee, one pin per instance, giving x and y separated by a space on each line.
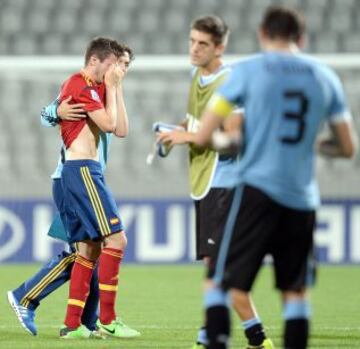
117 241
92 255
240 298
90 250
123 240
290 295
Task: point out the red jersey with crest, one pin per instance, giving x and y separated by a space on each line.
83 90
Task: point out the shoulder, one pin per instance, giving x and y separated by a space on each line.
320 68
75 81
244 64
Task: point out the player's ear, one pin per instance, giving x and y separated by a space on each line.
93 60
219 50
261 36
301 42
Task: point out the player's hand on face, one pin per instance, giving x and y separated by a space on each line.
120 73
172 138
70 112
110 78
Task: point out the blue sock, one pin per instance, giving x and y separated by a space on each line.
215 296
297 309
250 323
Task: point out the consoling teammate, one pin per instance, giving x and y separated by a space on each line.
286 96
27 297
211 174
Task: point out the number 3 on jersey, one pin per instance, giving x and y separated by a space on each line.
298 116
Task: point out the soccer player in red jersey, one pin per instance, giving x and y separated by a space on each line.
90 214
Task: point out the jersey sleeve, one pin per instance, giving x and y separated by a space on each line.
338 110
91 99
48 115
230 94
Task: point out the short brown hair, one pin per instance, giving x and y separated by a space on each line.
214 26
130 52
102 48
283 23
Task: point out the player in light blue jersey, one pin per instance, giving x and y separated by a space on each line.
27 297
286 96
212 173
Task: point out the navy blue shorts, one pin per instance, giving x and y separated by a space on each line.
89 211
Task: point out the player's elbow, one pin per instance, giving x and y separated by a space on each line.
109 128
349 151
121 133
348 147
351 146
200 140
201 143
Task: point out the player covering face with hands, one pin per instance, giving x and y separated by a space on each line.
89 211
26 298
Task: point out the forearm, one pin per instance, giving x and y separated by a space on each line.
341 143
210 122
333 149
329 148
190 137
48 115
122 121
111 109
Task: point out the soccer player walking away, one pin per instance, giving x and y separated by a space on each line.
26 298
211 173
90 213
286 96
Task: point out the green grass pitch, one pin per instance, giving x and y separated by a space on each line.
164 303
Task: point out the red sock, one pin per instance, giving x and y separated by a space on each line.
109 264
78 291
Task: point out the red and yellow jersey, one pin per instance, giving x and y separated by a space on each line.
83 90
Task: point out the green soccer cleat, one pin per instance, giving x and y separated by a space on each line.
117 329
266 344
78 333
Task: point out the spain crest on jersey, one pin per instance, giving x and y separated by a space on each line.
95 96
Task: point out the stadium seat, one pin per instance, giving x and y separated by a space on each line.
174 22
69 4
10 21
352 43
52 44
4 50
344 4
341 23
18 5
242 44
259 6
76 45
149 21
119 25
92 21
183 5
64 21
326 42
235 20
37 21
315 20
